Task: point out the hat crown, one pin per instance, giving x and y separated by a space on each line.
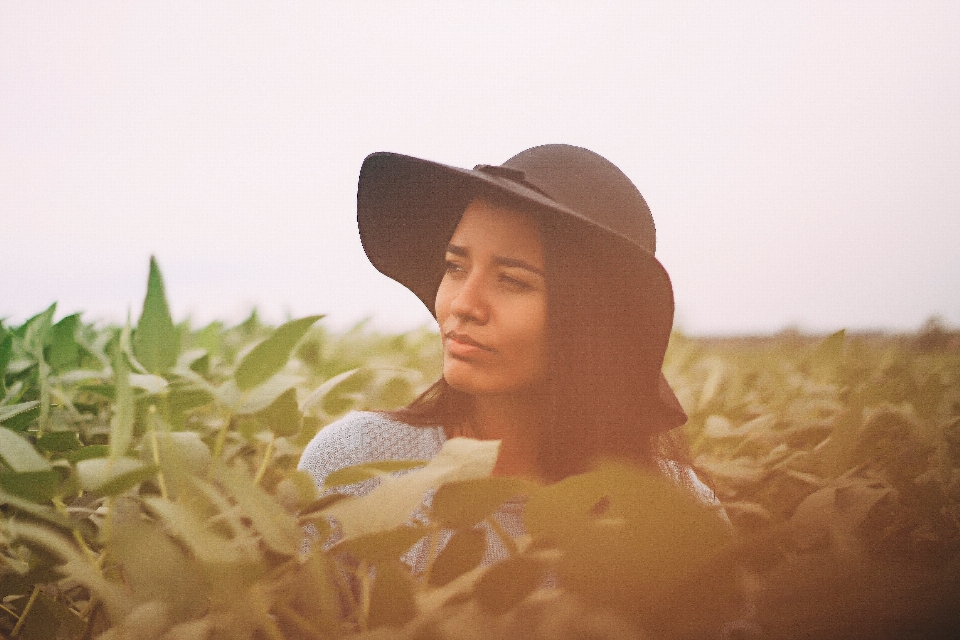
591 185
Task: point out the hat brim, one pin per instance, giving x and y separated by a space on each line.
408 209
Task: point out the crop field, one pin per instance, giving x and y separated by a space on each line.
148 490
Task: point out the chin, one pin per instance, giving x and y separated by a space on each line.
466 379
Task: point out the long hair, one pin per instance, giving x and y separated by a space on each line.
601 378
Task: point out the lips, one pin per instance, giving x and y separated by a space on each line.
460 344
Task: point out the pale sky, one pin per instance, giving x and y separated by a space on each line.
802 159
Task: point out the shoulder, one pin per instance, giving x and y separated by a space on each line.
366 436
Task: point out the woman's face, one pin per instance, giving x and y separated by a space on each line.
492 302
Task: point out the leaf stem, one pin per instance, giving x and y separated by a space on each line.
156 453
87 551
26 610
43 374
267 455
364 572
220 442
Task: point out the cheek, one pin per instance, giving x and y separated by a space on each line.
441 303
531 336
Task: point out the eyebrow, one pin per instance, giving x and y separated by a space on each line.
503 261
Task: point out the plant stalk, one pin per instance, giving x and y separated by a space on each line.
26 610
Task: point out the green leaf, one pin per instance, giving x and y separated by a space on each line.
392 600
48 618
75 565
8 413
63 353
196 360
463 552
35 331
149 383
208 546
113 476
6 350
18 454
156 342
460 505
508 583
182 454
37 486
41 512
629 537
278 529
384 546
59 441
88 452
157 568
368 470
282 417
271 355
258 398
393 502
121 424
186 396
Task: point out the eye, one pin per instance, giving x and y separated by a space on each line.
515 284
453 267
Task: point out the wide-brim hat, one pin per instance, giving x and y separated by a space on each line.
408 209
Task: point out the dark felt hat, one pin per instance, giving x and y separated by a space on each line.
408 208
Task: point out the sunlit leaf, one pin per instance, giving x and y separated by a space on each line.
391 504
150 383
368 470
316 401
282 416
112 476
156 568
18 454
256 399
278 529
156 342
8 413
206 545
121 424
271 355
64 352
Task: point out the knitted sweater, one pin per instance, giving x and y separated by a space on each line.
366 437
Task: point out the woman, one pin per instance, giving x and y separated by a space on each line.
553 310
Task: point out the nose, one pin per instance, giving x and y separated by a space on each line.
470 303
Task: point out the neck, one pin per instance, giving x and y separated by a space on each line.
515 420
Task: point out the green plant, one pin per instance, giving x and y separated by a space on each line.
148 487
